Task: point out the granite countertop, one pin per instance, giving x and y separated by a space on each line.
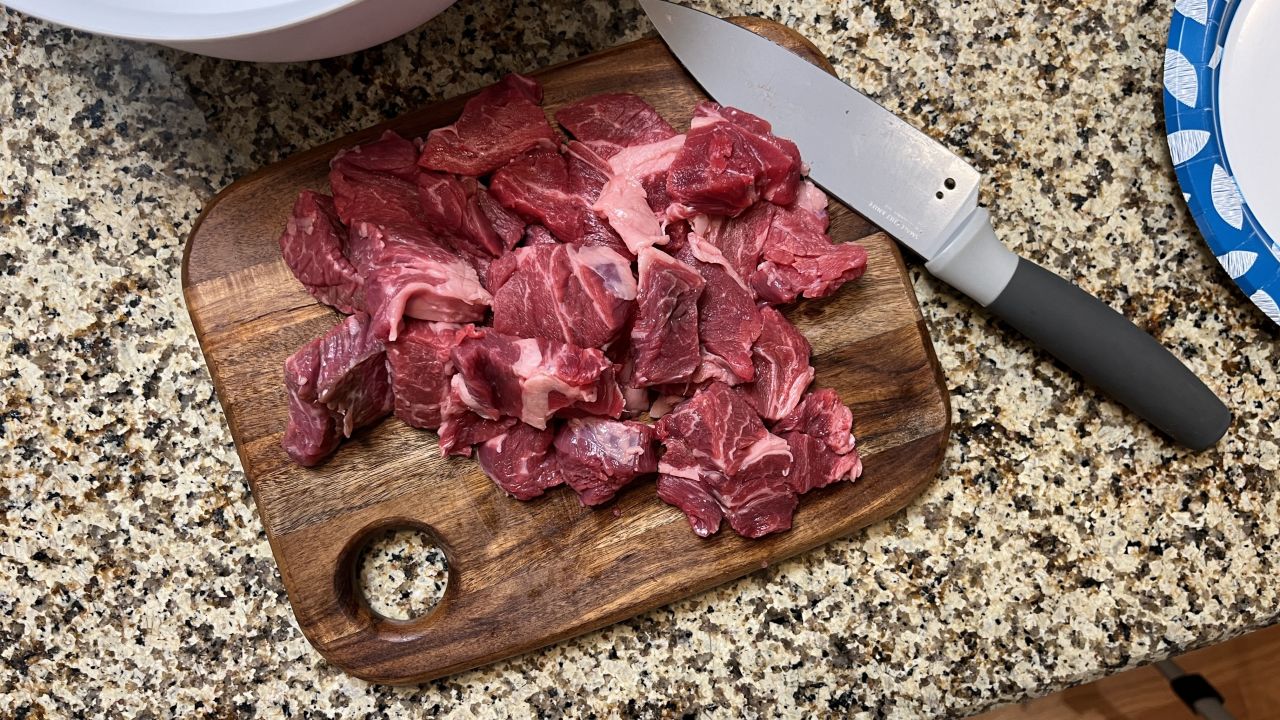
1063 540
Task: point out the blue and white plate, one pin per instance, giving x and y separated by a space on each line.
1222 113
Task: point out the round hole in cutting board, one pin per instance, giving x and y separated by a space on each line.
403 574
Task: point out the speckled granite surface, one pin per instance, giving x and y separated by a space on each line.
1063 541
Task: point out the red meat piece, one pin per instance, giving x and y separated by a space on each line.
521 461
460 428
781 359
375 182
312 245
456 209
720 461
556 191
664 339
611 122
497 124
581 296
820 434
421 363
730 160
624 200
598 457
527 378
342 373
408 274
799 258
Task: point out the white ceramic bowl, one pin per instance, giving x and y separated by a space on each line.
260 30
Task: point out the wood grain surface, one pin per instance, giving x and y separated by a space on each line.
522 575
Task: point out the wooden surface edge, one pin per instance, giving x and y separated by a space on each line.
339 653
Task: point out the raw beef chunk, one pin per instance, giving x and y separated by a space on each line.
342 373
728 322
800 259
375 182
527 378
421 363
664 339
312 248
353 380
819 432
538 235
455 209
822 415
508 225
556 191
741 240
407 274
625 202
610 401
521 461
598 457
720 461
730 160
581 296
781 359
500 271
611 122
311 434
460 428
499 123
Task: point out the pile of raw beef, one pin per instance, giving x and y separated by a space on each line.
526 295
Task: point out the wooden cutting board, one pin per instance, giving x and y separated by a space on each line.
522 575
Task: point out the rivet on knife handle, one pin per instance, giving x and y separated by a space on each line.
1084 333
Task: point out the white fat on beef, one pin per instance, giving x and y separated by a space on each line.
539 380
624 202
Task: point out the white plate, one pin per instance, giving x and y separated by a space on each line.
1221 108
263 30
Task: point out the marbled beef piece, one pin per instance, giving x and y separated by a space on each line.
462 212
730 160
597 457
409 274
740 240
799 258
421 364
528 378
720 462
781 360
624 200
376 182
610 122
461 428
820 434
664 338
556 191
521 461
312 246
343 374
728 320
583 296
311 434
499 123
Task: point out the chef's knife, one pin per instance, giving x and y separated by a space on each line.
927 198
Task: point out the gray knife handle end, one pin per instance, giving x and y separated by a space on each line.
1083 332
974 261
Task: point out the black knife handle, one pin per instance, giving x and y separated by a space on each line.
1112 353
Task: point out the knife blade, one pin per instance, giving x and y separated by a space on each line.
926 197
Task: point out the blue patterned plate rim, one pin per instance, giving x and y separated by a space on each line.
1192 64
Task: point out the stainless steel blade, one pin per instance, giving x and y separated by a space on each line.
901 179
